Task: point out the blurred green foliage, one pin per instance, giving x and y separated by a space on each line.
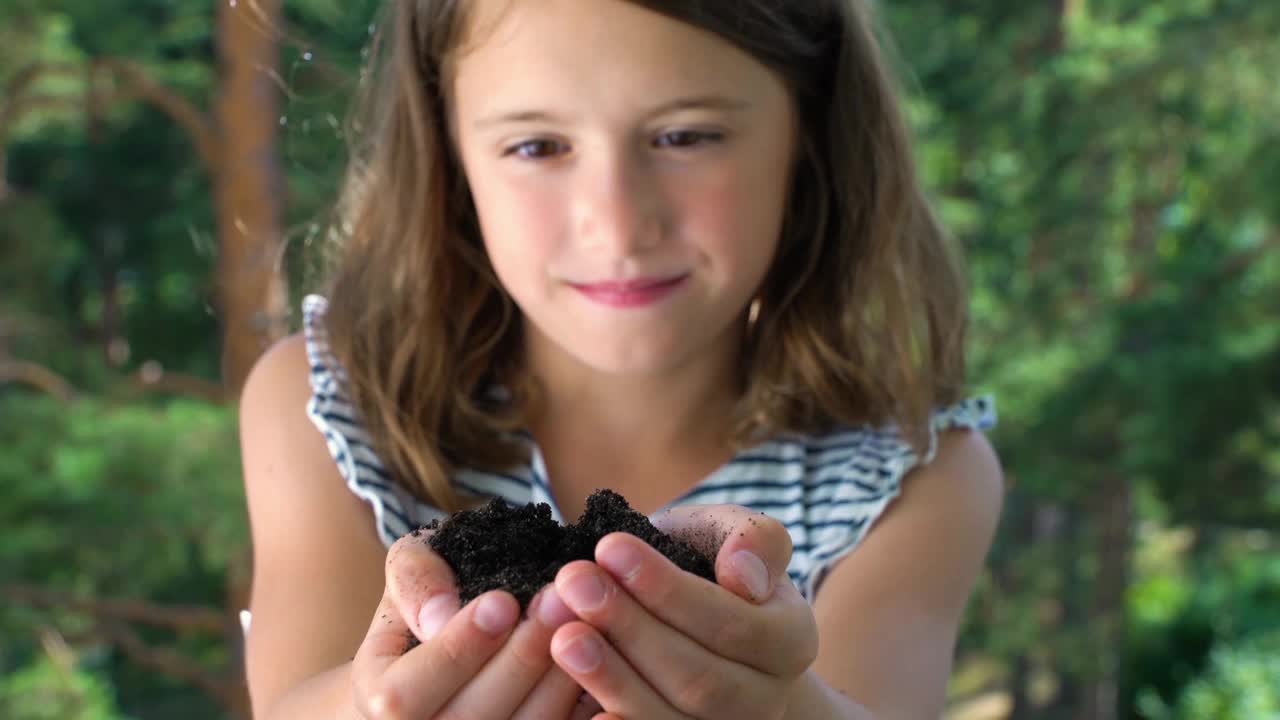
1243 682
115 499
140 494
46 691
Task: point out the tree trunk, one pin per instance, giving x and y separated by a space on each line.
1010 575
248 187
1064 523
1042 525
1112 512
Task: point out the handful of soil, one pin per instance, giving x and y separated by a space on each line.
520 550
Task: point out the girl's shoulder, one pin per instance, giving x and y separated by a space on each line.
830 489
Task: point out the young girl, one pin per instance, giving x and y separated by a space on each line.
676 249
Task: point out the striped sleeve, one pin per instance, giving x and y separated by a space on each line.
331 411
871 480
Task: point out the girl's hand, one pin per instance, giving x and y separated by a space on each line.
480 662
658 642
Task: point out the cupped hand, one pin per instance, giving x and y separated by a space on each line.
656 642
423 657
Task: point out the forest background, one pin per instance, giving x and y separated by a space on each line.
1111 168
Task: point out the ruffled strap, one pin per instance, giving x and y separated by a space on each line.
396 512
875 475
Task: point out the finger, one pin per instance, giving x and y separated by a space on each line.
751 549
422 681
686 674
778 637
421 584
555 696
583 653
388 638
509 676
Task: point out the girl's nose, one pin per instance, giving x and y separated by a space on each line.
619 208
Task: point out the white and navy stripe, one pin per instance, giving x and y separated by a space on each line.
828 491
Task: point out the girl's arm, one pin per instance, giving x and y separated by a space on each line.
318 563
889 613
333 611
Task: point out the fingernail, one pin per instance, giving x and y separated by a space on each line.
620 559
435 612
551 610
753 573
493 615
584 591
582 654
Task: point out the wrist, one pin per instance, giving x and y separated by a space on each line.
813 699
328 694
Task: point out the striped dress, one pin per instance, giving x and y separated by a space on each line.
827 490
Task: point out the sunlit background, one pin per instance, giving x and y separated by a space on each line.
1112 168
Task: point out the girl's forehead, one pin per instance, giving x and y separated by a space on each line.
567 49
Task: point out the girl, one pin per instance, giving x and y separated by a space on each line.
673 248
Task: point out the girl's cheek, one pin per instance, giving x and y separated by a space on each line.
732 215
520 221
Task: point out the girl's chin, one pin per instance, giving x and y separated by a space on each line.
629 367
625 358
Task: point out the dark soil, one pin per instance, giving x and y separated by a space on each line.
520 549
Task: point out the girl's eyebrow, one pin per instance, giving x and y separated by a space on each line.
694 102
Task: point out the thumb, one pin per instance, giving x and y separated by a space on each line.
751 549
420 584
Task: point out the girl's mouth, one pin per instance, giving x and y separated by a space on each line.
631 293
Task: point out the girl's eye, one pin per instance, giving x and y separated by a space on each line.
535 149
687 138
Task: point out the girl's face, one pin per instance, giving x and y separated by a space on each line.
630 174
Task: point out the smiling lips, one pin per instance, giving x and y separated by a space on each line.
633 293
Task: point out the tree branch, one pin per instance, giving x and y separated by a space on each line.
36 376
26 77
169 662
216 684
132 81
155 379
23 104
182 618
138 83
16 92
110 620
17 102
147 379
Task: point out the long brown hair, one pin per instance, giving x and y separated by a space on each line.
860 320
